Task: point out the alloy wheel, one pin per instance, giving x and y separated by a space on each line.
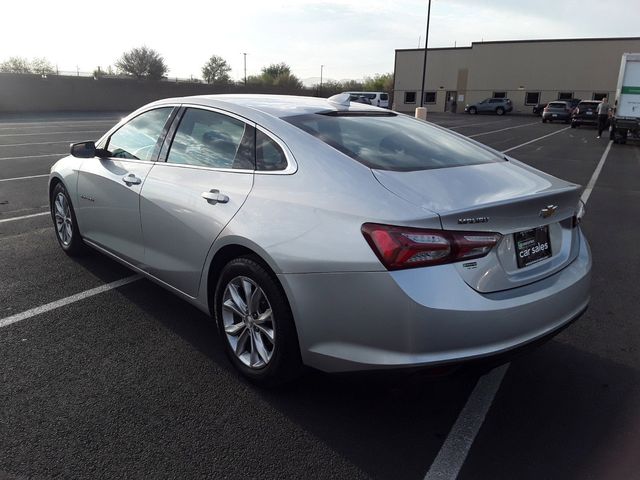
248 322
64 221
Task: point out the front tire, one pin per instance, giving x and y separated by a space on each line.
256 324
473 110
65 223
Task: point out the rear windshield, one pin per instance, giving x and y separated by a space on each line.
393 142
558 105
588 104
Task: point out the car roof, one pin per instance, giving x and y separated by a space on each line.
273 105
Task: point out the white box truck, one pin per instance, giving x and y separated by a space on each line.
626 113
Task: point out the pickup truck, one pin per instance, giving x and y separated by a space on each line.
625 121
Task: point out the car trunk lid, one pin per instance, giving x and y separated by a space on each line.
508 198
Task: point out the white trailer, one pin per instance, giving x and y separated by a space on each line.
626 113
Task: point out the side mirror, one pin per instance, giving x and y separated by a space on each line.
83 149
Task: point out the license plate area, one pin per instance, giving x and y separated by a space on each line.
532 246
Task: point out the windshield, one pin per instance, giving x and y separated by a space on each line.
393 142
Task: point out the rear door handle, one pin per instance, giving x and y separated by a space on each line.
131 179
214 196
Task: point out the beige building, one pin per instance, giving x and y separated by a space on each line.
525 71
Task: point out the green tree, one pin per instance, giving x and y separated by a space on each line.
216 70
15 65
379 83
41 65
279 75
352 85
142 62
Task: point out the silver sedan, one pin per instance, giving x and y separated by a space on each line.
327 233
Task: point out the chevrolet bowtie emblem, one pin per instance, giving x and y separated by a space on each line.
547 211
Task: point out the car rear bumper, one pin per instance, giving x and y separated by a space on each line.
428 316
590 120
558 116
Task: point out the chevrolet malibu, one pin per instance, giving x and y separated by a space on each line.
330 234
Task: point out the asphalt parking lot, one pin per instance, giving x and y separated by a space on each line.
132 382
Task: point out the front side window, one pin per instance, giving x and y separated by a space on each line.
137 139
210 139
392 142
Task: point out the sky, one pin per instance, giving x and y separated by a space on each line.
351 38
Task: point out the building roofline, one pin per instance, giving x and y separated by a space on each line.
595 39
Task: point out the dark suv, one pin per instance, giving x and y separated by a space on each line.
498 106
586 113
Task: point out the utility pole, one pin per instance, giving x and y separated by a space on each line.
245 69
424 66
320 89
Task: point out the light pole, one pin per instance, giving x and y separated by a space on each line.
320 89
245 68
424 65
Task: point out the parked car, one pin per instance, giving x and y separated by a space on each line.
556 111
586 113
538 108
359 98
327 233
379 99
499 106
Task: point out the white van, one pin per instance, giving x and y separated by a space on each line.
378 99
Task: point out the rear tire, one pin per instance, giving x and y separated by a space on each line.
65 223
256 323
499 111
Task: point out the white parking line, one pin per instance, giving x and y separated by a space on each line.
456 446
36 156
13 219
535 139
23 178
596 173
502 129
34 143
453 452
476 124
66 301
49 133
45 124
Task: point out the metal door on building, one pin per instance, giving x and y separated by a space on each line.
450 104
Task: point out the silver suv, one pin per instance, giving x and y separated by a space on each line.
499 106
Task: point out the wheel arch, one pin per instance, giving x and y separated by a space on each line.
234 248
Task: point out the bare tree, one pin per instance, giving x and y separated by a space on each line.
142 62
216 70
15 65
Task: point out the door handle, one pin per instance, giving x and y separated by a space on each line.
214 196
131 179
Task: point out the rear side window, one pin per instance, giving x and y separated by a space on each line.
269 155
393 142
210 139
384 96
137 139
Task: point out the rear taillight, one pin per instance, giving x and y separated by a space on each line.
406 247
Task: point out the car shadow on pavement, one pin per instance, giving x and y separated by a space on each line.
388 425
561 413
